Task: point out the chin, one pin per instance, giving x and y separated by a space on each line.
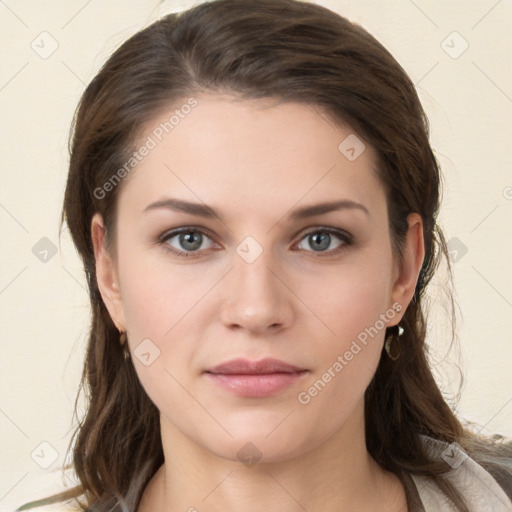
257 450
252 445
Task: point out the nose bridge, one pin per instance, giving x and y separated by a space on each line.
256 298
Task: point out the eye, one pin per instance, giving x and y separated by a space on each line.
189 241
321 239
186 241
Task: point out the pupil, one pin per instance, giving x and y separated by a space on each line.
190 238
324 239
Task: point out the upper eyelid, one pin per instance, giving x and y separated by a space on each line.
171 233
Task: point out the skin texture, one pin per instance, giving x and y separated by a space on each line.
255 162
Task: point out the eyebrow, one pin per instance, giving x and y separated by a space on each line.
203 210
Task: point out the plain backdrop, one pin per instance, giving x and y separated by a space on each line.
458 54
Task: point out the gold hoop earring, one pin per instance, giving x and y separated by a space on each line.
123 341
392 344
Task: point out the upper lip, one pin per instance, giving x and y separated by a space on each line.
261 367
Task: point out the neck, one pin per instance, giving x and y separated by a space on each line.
339 473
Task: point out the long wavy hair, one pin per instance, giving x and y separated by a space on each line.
294 51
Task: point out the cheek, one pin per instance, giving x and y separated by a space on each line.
347 356
160 304
167 304
352 302
157 295
348 298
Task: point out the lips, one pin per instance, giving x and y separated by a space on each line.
246 367
255 379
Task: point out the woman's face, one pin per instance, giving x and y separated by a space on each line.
285 253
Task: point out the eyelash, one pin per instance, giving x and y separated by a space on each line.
345 237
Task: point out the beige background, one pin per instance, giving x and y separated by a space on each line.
44 308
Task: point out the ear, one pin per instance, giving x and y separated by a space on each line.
406 274
106 273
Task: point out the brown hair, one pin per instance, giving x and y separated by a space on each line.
292 51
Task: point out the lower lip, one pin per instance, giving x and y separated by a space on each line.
256 386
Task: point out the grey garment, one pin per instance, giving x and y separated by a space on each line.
504 480
486 488
414 503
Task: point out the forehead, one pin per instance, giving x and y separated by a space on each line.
250 155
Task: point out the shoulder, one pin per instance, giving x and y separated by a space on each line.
481 491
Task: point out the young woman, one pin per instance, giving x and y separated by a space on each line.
254 197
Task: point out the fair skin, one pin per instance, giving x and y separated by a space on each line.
255 163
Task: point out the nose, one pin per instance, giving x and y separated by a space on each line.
256 297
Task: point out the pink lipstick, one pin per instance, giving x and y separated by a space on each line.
255 379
